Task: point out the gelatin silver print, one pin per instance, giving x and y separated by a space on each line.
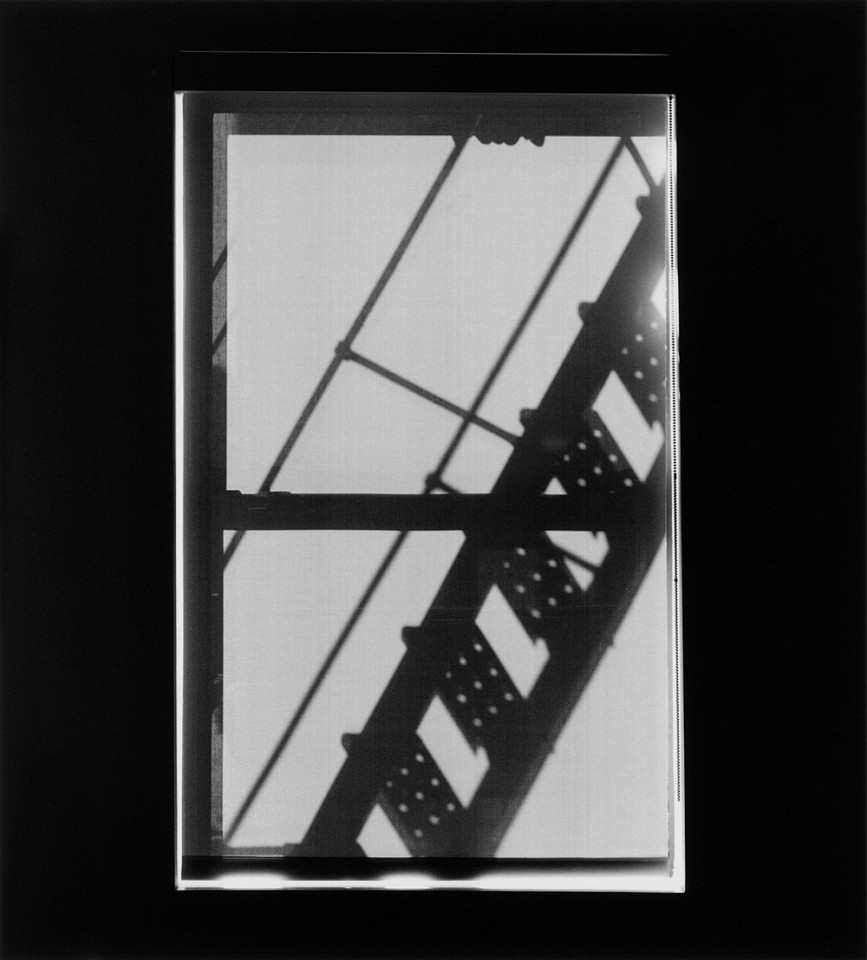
427 504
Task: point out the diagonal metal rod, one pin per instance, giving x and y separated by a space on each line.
437 483
315 685
432 397
354 330
220 337
220 262
639 160
569 555
531 307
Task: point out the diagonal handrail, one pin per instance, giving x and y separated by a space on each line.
639 162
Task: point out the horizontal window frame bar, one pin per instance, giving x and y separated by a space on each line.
405 512
307 113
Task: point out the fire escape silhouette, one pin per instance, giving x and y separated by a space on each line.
447 655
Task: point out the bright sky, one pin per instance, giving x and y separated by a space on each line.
311 223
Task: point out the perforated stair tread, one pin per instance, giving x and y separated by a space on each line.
539 587
594 463
420 803
471 681
642 364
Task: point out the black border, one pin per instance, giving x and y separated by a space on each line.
770 115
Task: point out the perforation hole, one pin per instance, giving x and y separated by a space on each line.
639 338
404 772
477 647
402 807
434 781
477 684
654 362
552 602
448 674
521 551
612 457
582 482
450 807
597 470
477 722
389 784
419 758
462 698
568 588
627 482
534 613
508 696
552 562
492 709
462 661
520 588
419 795
537 577
639 375
418 833
433 819
506 565
652 397
493 671
624 351
582 445
598 434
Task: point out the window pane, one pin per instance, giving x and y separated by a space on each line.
312 223
287 598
